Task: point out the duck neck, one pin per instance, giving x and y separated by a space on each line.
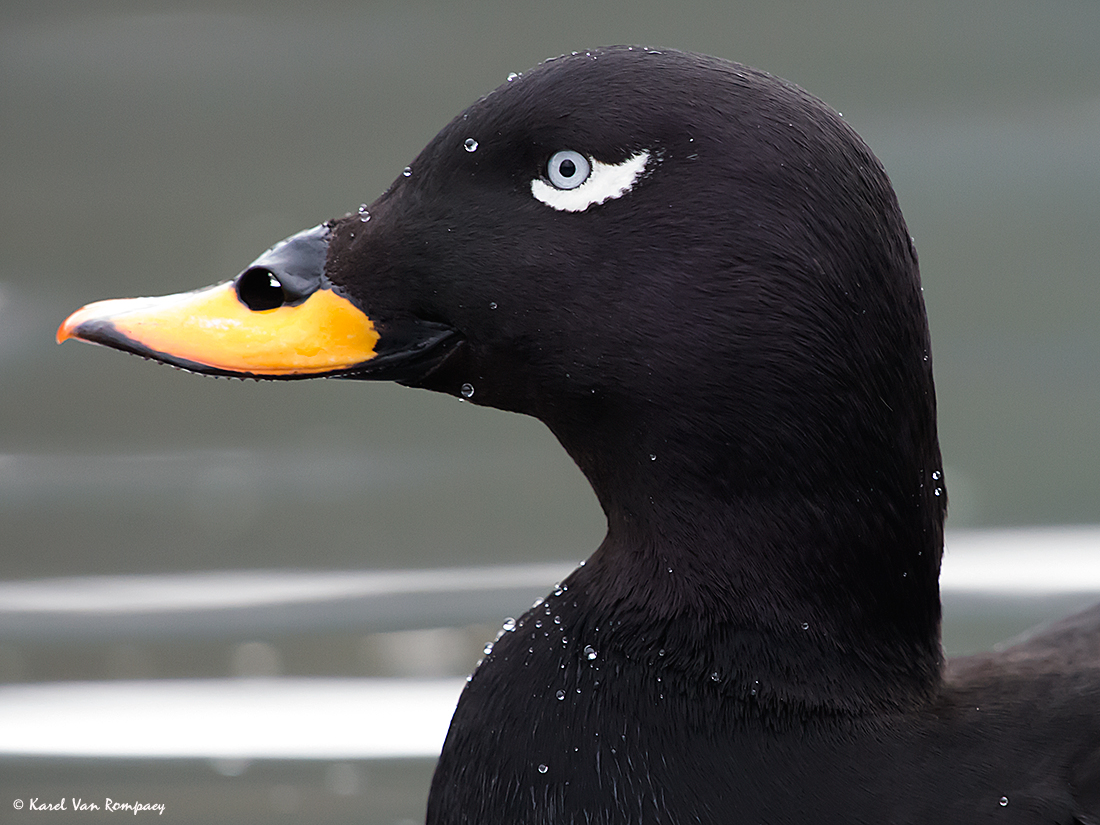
825 591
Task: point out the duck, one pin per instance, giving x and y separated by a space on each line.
698 276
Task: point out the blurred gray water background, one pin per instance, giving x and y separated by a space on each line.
155 147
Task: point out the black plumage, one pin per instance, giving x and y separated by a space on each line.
735 352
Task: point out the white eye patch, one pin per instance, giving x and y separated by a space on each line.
604 182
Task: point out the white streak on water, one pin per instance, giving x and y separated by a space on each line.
255 588
229 718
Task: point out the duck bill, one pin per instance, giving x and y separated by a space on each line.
212 331
279 319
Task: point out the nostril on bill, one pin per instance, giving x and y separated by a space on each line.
260 289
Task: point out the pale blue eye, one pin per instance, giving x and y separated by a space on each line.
568 169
